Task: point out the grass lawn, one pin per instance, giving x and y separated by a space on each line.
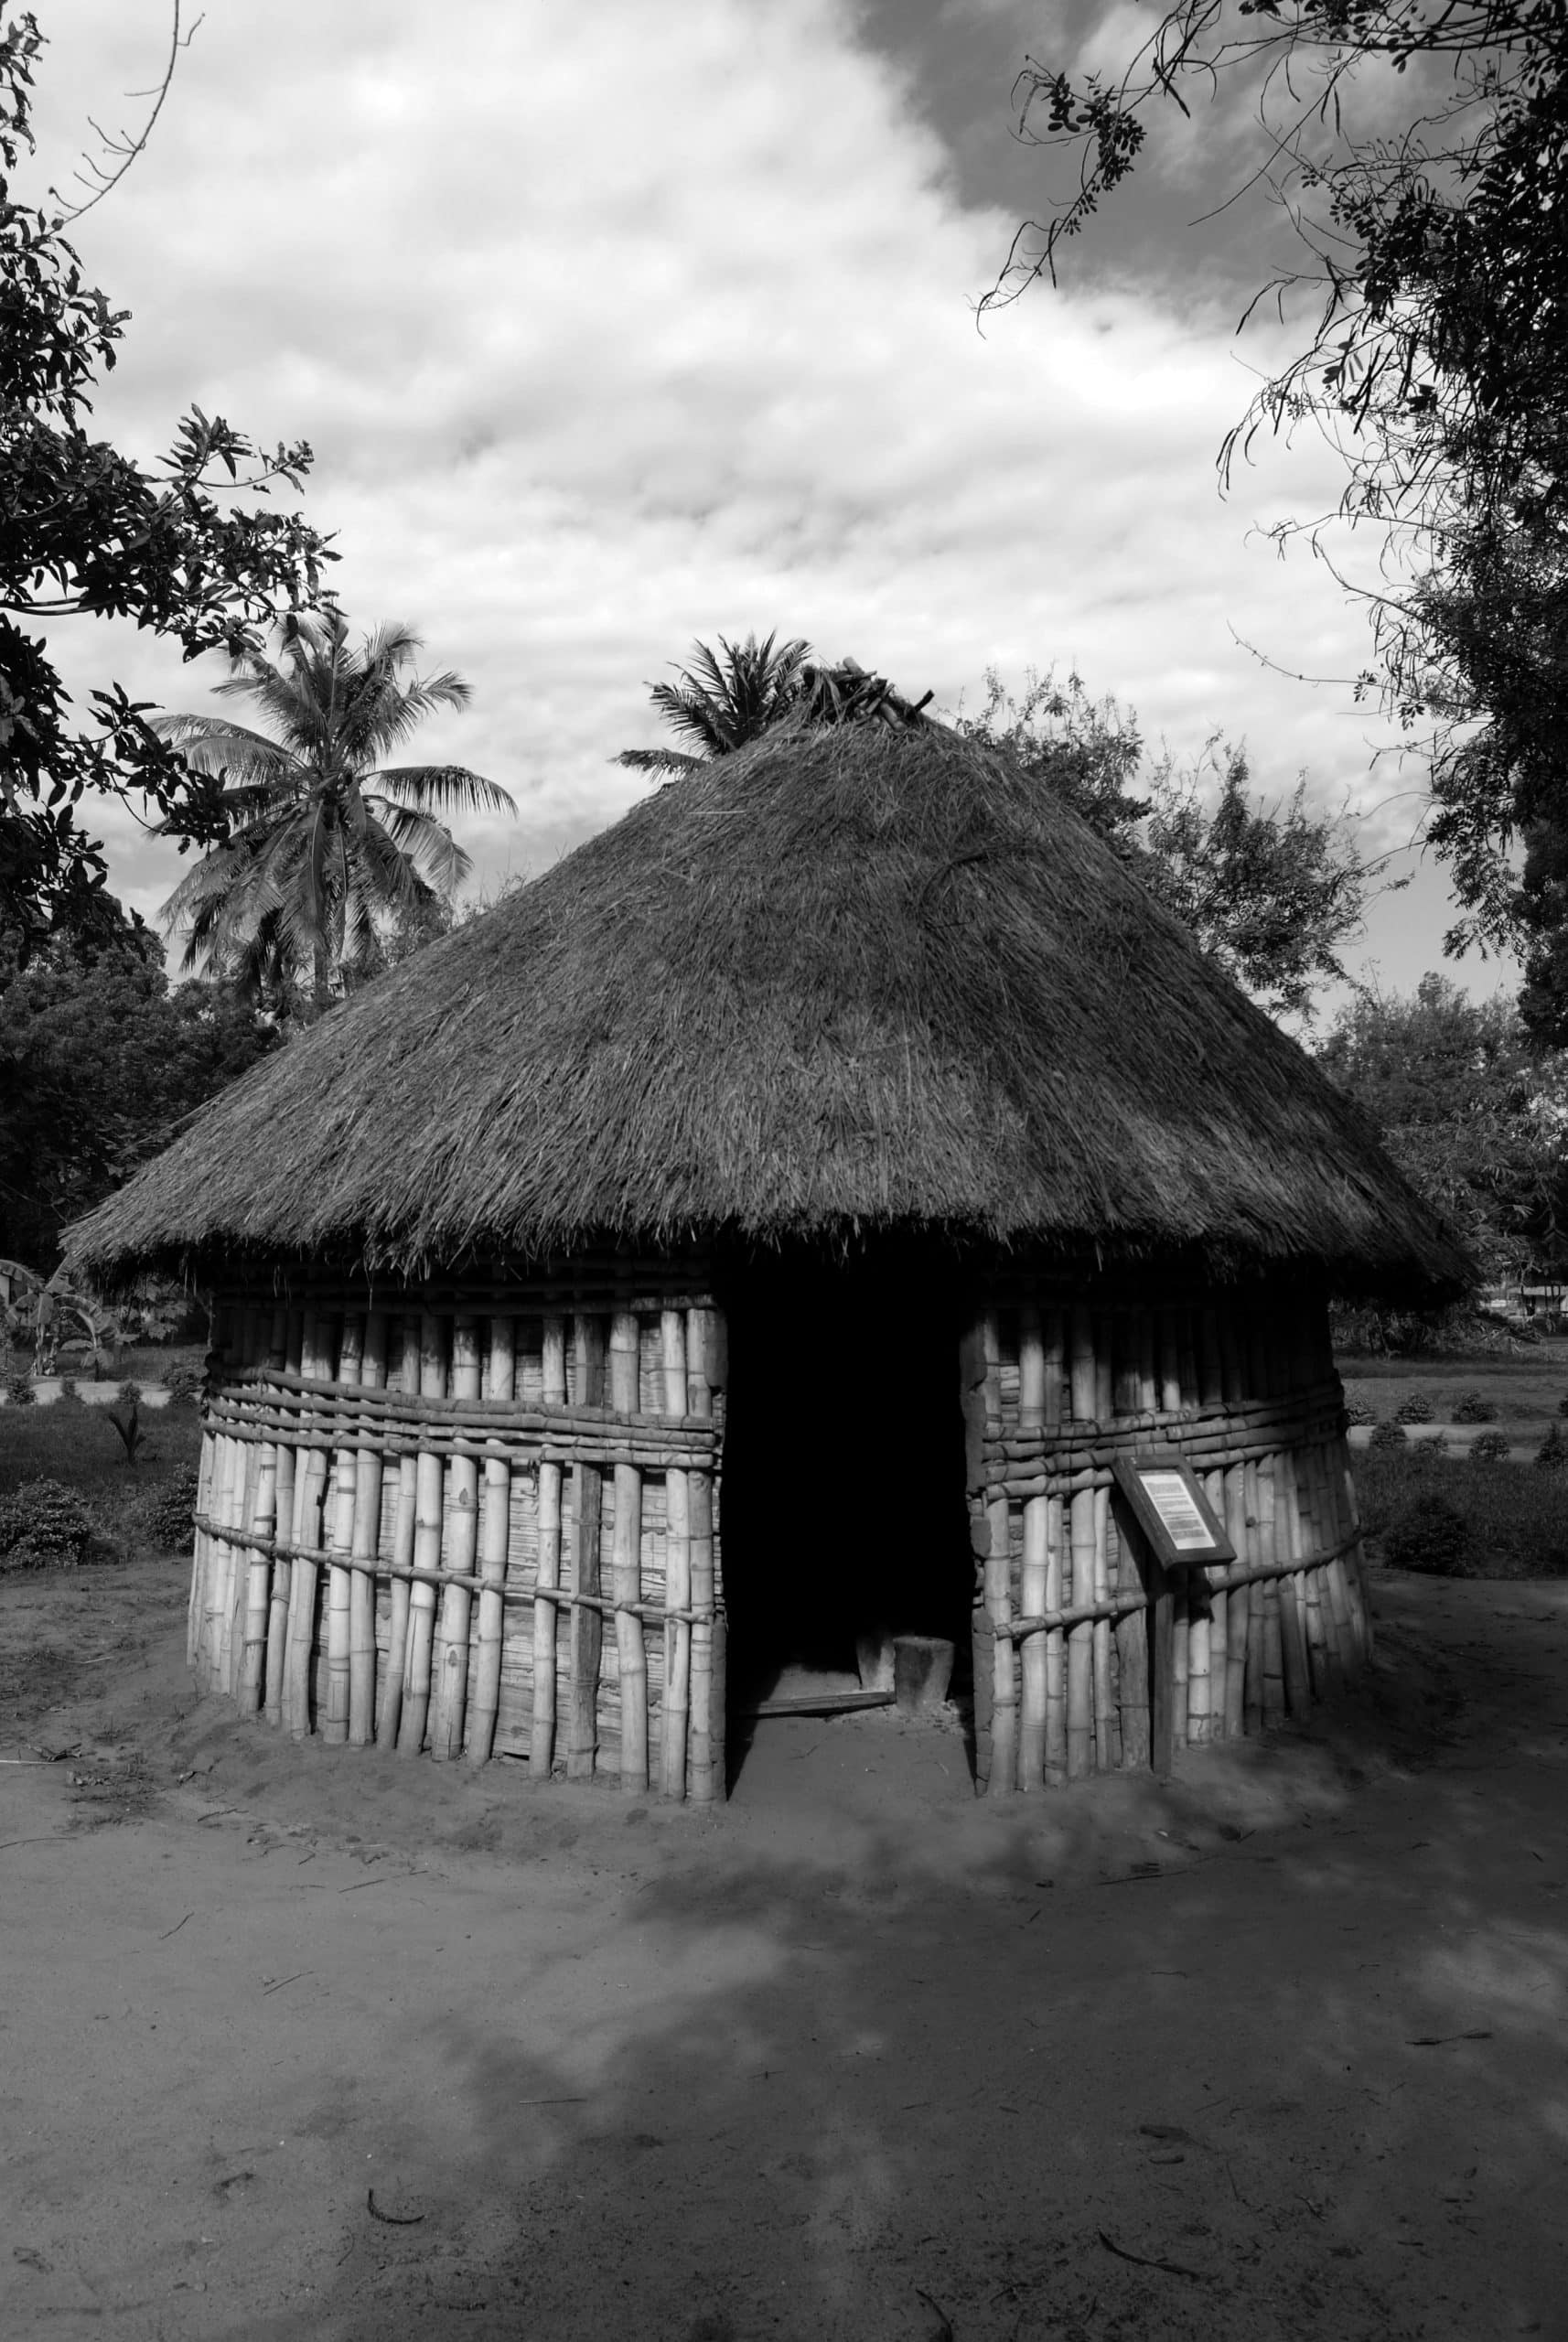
1523 1390
80 1446
1513 1518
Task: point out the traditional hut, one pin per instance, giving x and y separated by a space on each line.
843 1151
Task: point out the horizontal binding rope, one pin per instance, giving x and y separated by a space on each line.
373 1566
1217 1581
1079 1455
337 1415
286 1392
1320 1398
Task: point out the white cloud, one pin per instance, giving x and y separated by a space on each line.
614 326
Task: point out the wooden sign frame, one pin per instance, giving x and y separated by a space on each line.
1166 1514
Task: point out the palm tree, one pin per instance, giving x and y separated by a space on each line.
324 839
723 700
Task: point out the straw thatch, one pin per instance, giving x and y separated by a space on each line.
852 979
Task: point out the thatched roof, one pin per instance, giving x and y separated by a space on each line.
849 980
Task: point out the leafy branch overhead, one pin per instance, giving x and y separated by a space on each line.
184 547
1416 150
321 838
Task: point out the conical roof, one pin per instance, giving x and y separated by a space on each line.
855 978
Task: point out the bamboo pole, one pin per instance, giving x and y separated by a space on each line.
430 1484
1033 1592
631 1652
1058 1404
1181 1654
547 1568
389 1710
196 1606
1199 1717
1084 1380
1238 1611
999 1591
277 1611
495 1541
1267 1551
206 1485
675 1720
365 1547
255 1333
1107 1723
1130 1637
1055 1646
310 1489
341 1578
718 1377
264 1520
449 1686
588 1502
706 1778
1220 1610
1081 1640
1290 1664
228 1459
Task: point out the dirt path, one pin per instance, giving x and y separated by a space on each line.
1277 2051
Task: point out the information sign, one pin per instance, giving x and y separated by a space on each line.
1172 1510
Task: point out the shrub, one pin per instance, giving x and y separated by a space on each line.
1426 1451
183 1381
1473 1408
1553 1452
1416 1409
19 1389
1387 1434
1518 1521
68 1389
1433 1535
1491 1448
1562 1405
43 1525
167 1519
129 1394
1358 1410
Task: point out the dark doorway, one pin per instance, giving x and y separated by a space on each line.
843 1509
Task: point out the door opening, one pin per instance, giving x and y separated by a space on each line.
843 1515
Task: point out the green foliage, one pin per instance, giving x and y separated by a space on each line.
19 1391
43 1525
1491 1448
1553 1452
1387 1434
167 1519
1269 891
1430 1534
1415 1409
1430 272
1472 1118
87 532
1474 1407
100 1060
324 840
723 700
1517 1522
183 1383
1360 1410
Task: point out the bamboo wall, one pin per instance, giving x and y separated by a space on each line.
471 1518
1246 1392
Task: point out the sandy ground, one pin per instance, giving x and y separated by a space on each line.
303 2044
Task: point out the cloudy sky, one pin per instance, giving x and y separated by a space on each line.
614 326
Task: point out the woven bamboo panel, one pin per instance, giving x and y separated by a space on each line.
471 1518
1243 1387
